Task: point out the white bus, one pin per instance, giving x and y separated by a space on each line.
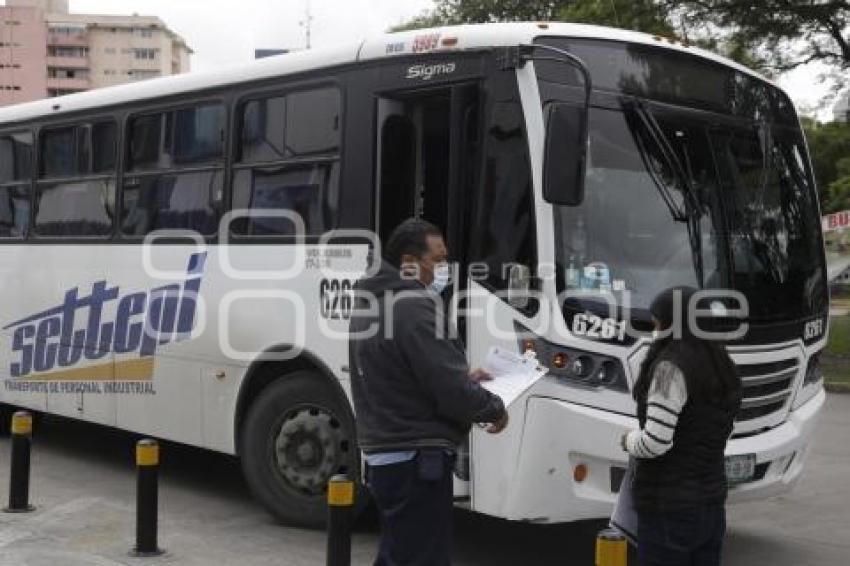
139 294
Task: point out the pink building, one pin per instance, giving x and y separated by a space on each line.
45 51
23 53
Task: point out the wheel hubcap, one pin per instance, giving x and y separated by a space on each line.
310 447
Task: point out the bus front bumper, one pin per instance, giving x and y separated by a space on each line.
560 436
780 453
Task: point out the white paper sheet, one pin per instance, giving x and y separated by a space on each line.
512 374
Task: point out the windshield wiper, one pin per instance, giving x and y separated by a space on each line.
691 212
637 110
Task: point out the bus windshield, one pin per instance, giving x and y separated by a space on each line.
751 221
697 175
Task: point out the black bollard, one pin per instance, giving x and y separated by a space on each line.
147 499
19 478
340 503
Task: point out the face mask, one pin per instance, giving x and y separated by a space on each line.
442 274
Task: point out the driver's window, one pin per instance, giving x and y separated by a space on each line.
503 232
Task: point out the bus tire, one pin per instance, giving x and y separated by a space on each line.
297 434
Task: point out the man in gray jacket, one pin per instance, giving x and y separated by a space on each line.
414 395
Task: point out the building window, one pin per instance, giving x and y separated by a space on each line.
289 160
61 51
143 74
145 53
67 30
54 92
60 73
109 51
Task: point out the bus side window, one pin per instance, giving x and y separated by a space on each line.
76 189
175 171
15 177
288 160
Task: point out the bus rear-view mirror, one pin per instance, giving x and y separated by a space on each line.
565 154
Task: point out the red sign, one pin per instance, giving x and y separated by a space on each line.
836 221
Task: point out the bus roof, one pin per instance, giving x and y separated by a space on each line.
444 39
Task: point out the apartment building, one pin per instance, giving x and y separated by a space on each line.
23 53
47 51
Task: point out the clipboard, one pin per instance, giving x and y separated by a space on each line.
513 374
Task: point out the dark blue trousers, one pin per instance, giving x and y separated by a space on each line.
690 537
415 502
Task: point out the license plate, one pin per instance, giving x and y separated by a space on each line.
740 469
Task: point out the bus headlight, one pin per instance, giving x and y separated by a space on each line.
577 367
812 382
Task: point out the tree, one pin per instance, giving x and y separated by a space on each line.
649 16
638 15
829 145
839 195
426 19
786 33
839 190
783 34
479 11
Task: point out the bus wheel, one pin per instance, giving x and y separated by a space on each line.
297 434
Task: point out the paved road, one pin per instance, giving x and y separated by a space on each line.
84 487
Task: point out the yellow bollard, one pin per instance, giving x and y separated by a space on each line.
611 549
147 499
340 502
19 476
22 423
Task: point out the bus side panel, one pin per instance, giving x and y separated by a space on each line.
159 389
20 299
243 309
50 291
78 280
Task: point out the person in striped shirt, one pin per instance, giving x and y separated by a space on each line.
687 395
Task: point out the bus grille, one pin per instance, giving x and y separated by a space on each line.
767 386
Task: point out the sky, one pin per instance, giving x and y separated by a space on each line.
225 32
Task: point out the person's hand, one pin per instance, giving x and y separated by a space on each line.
499 425
478 375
